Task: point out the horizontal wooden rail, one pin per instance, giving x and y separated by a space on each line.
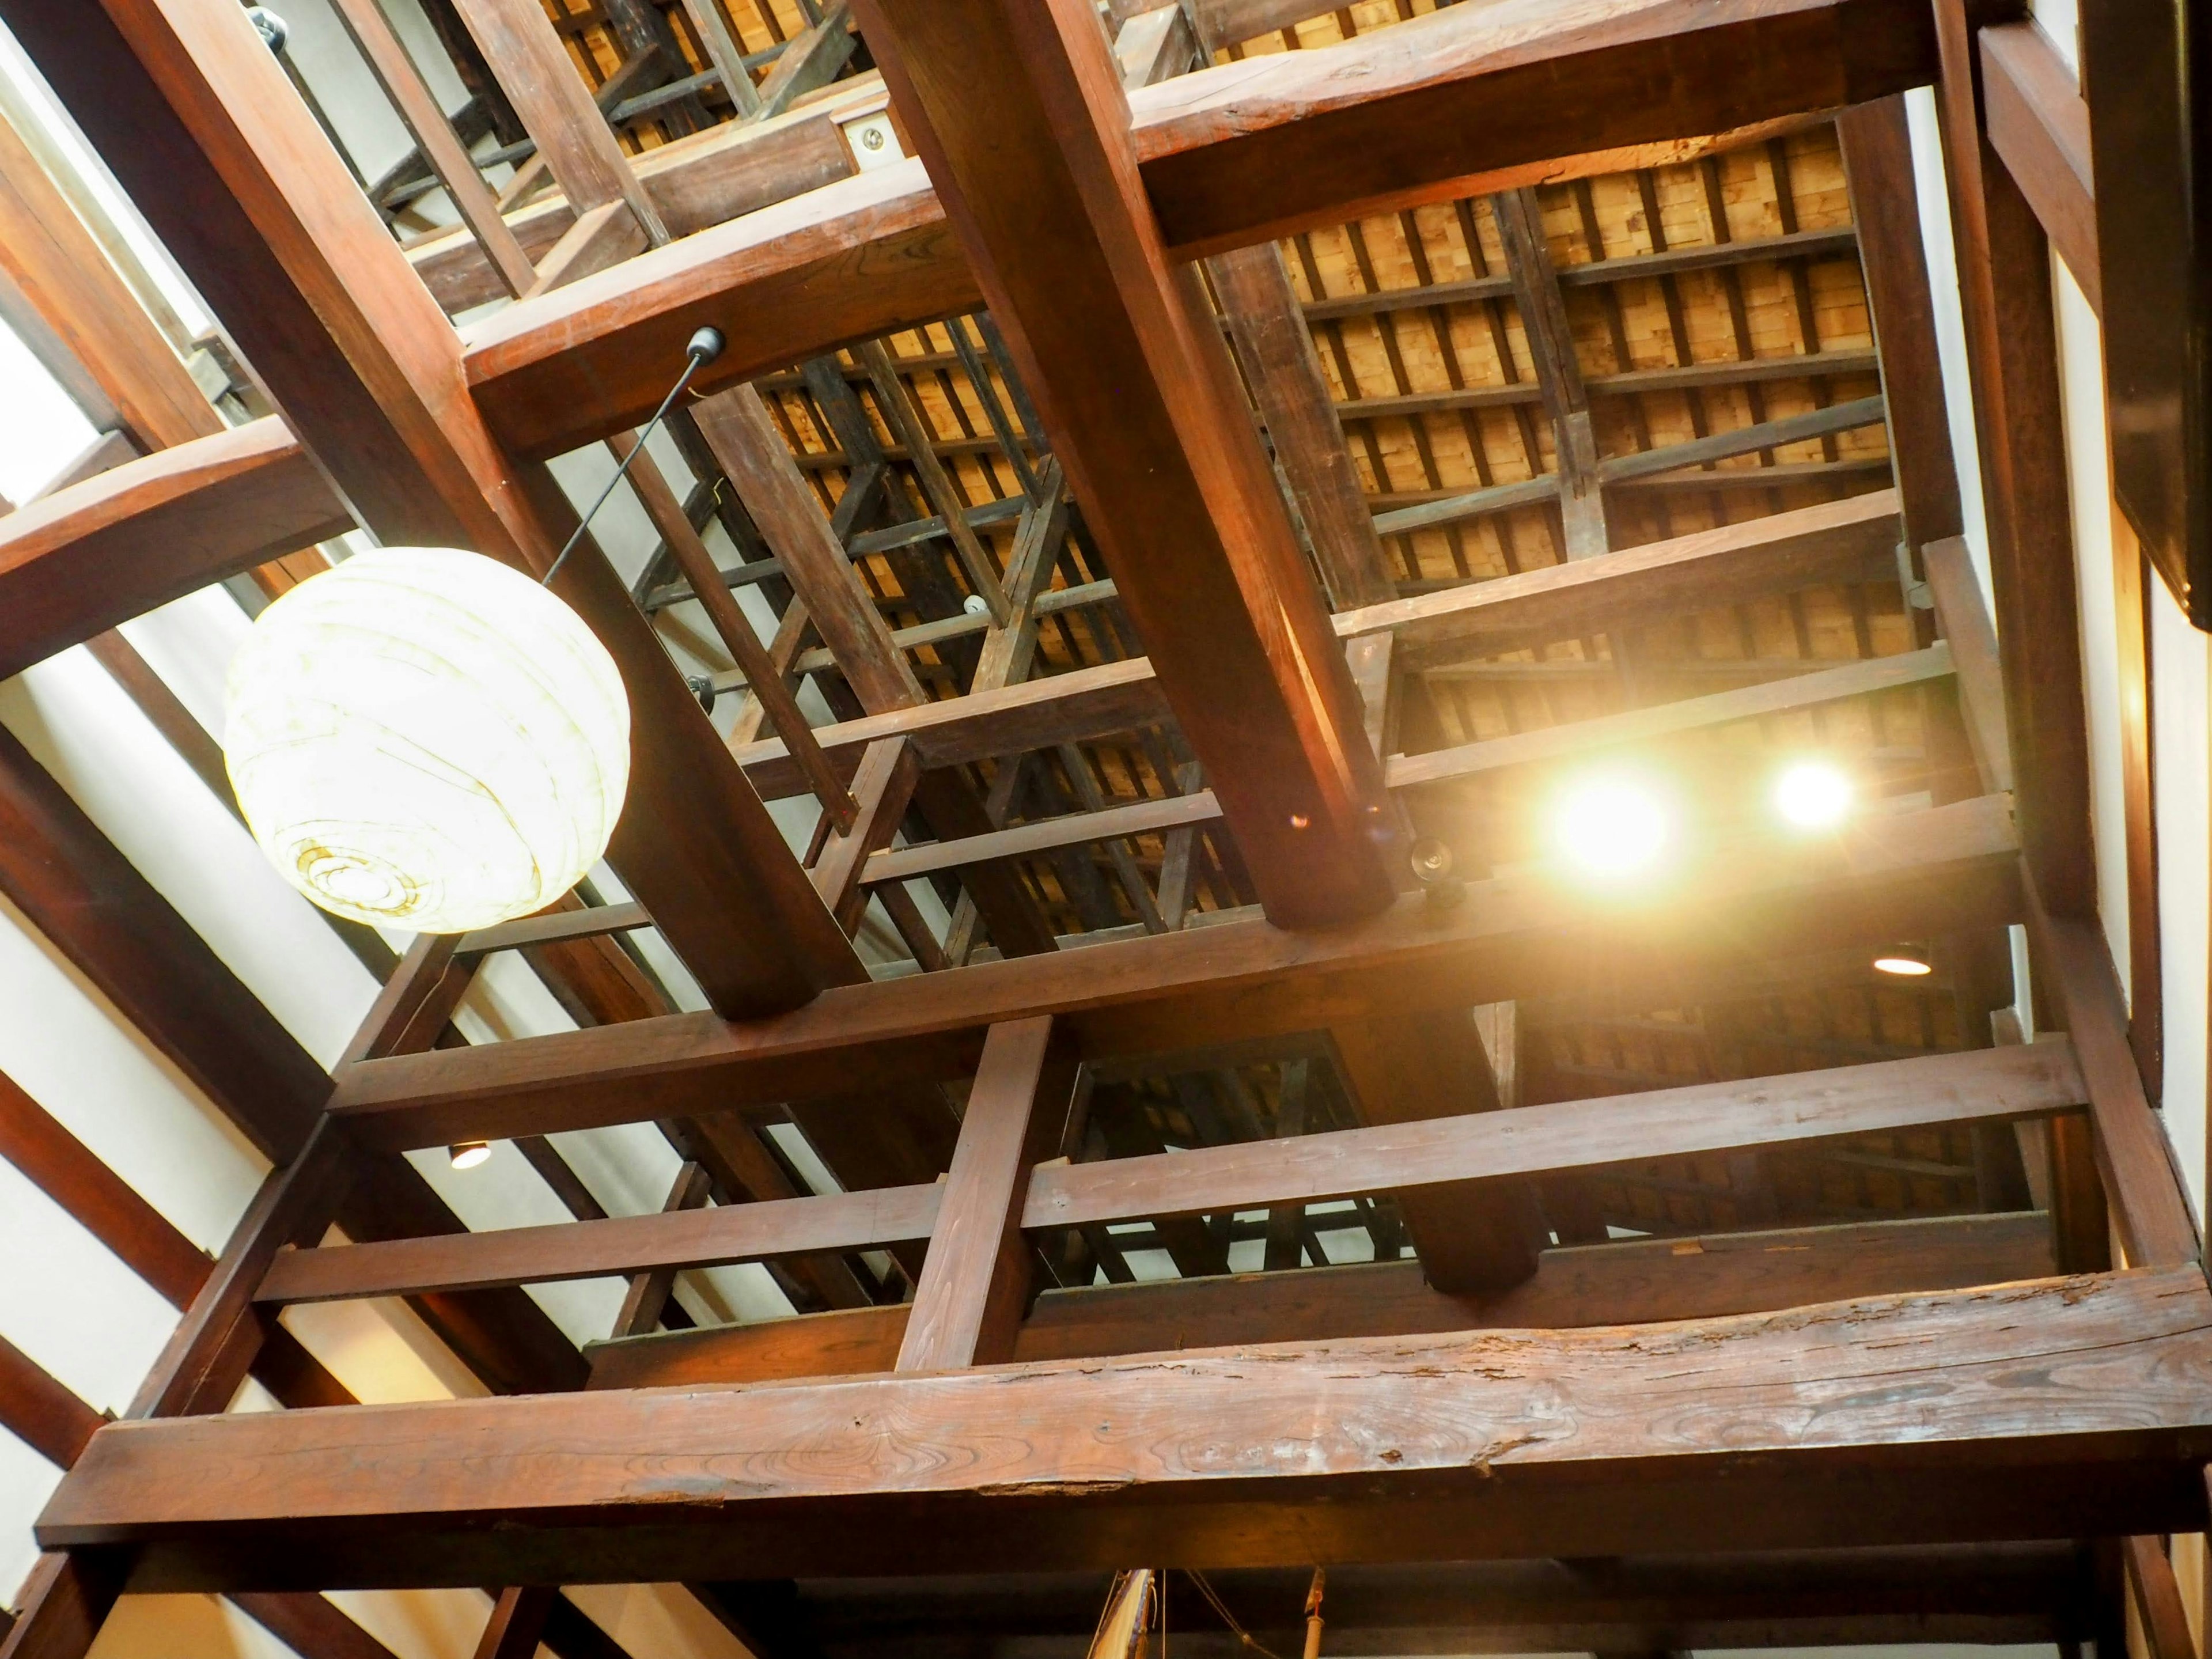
1975 1086
596 1249
1944 870
1622 1283
589 922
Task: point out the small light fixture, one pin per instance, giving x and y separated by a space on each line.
1432 862
1905 962
1813 794
1612 827
467 1154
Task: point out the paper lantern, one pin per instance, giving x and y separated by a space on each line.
425 738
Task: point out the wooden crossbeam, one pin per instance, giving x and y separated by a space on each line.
138 535
2035 1410
1228 156
1947 870
2039 124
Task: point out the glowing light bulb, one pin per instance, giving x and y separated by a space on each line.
467 1154
1612 828
1904 963
1814 795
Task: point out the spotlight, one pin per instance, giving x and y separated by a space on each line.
1813 794
1904 961
467 1154
1612 827
1431 861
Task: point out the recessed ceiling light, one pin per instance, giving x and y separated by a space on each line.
1905 961
1612 827
1814 794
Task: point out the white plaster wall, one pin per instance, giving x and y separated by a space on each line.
2179 687
2082 386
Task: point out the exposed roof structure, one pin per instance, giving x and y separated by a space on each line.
1086 1083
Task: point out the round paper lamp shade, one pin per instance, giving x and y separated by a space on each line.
425 738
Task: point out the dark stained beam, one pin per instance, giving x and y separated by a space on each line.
2012 358
2039 124
1462 102
1633 1282
1948 870
1877 146
81 559
2027 1411
1123 353
191 111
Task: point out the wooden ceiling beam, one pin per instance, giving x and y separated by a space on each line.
1947 870
191 111
2037 1410
82 559
1121 351
1465 101
2039 124
1619 1284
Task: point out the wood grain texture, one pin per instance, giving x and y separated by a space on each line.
1978 1085
1461 102
974 1284
1947 870
2033 1410
76 562
596 1249
1877 146
2012 359
1621 1284
2039 124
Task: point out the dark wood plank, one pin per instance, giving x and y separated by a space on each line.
974 1284
1284 375
207 138
2037 1410
81 559
1948 870
599 1249
1137 389
41 1412
2011 353
2024 1081
2039 124
1623 1284
99 1200
1877 148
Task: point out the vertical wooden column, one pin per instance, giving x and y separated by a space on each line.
2012 357
1123 355
975 1283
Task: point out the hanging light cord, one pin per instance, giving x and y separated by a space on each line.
1227 1618
704 347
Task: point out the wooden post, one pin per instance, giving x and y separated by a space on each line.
975 1282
